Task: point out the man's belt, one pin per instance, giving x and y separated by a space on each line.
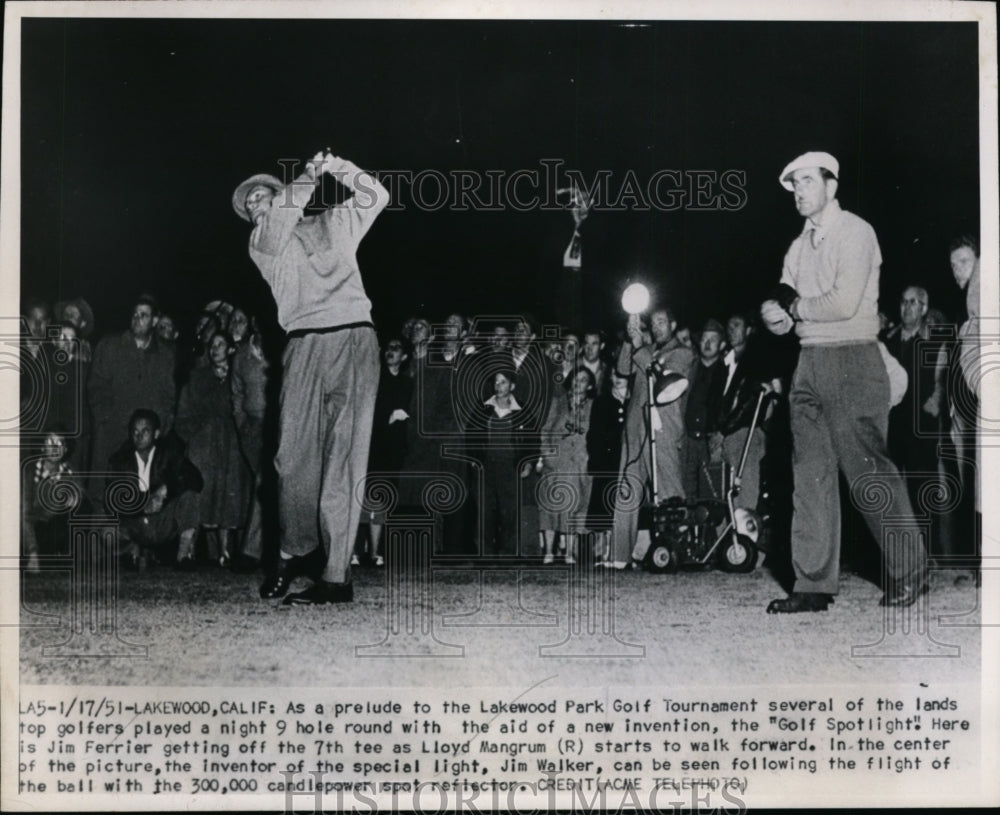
304 332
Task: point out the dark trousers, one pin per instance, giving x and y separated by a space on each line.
178 515
500 506
696 458
840 411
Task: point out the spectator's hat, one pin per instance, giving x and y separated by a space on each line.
86 314
714 325
241 192
822 160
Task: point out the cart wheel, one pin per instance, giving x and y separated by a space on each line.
739 555
660 559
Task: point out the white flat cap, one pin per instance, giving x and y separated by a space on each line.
823 160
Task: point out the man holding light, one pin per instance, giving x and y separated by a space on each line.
634 360
839 397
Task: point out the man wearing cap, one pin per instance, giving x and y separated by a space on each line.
701 413
331 364
839 398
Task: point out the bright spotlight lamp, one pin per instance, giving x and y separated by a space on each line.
635 299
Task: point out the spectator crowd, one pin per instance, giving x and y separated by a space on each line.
540 433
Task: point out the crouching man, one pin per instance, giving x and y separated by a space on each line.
170 484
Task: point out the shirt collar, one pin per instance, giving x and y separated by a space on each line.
827 218
492 402
145 467
905 335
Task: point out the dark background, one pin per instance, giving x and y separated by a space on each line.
135 132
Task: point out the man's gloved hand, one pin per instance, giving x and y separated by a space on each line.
785 295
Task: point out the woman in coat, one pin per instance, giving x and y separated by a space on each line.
205 421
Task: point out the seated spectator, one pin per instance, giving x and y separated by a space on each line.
170 483
45 502
205 421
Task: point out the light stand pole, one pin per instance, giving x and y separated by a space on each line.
650 382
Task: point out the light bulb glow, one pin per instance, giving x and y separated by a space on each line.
635 299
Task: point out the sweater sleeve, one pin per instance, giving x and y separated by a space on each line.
856 255
368 200
275 229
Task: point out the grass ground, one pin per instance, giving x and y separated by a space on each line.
498 627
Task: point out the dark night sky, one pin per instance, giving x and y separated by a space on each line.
134 134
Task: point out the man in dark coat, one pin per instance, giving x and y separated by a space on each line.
131 370
912 435
701 412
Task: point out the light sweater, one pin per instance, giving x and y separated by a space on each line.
310 263
836 274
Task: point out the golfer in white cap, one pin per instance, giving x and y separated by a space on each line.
839 397
330 366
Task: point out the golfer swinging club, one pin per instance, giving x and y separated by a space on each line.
331 364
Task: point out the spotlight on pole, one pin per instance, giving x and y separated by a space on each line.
635 299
